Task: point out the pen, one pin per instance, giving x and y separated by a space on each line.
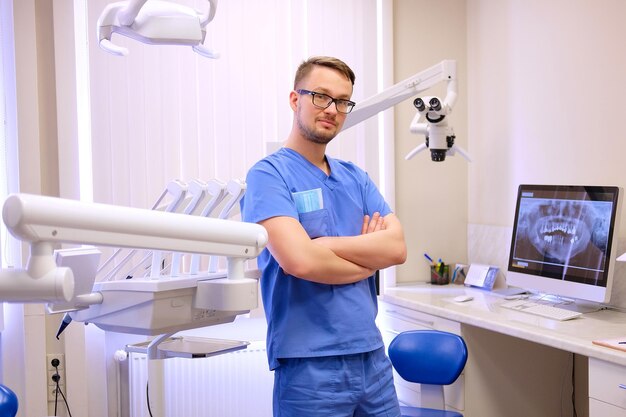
429 258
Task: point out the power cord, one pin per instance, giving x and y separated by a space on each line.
147 399
56 378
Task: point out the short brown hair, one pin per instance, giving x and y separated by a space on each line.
324 61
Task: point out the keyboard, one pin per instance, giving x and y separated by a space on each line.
543 310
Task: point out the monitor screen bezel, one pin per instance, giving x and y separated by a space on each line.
535 281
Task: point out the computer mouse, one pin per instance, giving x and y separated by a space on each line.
463 298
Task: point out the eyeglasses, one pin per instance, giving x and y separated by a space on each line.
323 101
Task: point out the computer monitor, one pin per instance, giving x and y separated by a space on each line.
564 240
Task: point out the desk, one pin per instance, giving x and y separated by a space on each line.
524 365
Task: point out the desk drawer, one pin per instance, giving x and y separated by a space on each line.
396 318
607 383
601 409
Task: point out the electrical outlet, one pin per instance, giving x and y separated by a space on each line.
51 356
52 394
52 388
51 370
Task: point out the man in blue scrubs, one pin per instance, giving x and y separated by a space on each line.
329 231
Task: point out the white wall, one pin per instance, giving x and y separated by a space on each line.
431 197
545 98
545 105
24 338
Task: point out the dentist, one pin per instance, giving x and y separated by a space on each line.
329 231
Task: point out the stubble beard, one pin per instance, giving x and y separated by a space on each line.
316 136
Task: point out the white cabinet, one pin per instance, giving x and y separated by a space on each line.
607 389
392 320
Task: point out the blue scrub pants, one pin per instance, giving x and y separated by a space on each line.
359 385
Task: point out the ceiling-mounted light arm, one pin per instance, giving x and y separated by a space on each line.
205 19
129 11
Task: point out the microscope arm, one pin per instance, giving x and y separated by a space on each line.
444 71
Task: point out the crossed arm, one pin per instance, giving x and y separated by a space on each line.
336 260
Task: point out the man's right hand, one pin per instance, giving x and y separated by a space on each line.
373 224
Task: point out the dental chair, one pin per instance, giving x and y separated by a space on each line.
433 359
8 402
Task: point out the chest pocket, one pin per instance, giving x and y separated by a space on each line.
316 223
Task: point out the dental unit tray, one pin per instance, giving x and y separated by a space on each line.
151 307
190 347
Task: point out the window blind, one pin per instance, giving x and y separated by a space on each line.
164 112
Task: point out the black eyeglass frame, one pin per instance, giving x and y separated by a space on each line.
349 104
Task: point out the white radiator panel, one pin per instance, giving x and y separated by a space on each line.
230 385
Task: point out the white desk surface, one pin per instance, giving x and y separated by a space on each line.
484 311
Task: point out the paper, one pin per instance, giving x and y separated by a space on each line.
476 275
619 344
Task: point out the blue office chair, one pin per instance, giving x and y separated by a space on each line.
433 359
8 402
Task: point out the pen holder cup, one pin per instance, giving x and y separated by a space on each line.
440 275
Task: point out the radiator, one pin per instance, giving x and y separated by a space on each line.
234 384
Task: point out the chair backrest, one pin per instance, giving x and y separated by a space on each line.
428 356
8 402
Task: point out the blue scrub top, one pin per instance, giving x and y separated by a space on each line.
307 319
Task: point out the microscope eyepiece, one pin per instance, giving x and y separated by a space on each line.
435 104
419 104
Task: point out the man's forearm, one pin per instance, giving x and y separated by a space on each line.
373 252
323 266
377 250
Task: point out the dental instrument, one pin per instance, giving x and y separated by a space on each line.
235 189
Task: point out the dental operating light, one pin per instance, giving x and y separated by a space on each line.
155 22
431 118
